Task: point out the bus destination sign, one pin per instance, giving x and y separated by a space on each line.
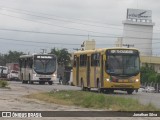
121 51
43 57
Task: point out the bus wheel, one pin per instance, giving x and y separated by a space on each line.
23 81
88 89
30 82
50 82
129 91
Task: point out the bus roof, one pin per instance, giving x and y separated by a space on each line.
103 50
28 56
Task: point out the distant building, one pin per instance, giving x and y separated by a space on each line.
138 30
119 42
152 61
88 45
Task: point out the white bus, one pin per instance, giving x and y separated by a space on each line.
38 68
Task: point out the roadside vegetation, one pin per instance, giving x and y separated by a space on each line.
3 84
92 100
148 75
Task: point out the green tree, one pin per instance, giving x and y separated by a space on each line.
148 74
63 56
158 78
10 57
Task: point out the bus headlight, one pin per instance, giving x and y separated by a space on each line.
137 80
34 75
107 79
54 75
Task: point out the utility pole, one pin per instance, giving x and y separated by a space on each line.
128 45
44 51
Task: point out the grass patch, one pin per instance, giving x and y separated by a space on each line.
3 84
93 100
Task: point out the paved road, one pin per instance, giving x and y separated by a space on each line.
144 98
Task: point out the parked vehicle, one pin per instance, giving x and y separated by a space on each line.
13 75
12 66
149 89
3 71
141 89
13 71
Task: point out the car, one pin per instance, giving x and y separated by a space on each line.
13 75
141 89
149 89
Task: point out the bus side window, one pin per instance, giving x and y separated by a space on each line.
23 63
83 60
74 61
95 59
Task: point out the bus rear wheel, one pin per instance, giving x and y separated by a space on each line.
50 82
24 81
129 91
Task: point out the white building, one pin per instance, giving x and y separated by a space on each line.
138 30
88 45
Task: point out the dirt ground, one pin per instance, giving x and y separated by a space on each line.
13 100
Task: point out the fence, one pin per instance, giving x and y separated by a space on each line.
152 84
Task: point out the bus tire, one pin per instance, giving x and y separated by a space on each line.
30 82
129 91
23 82
50 82
88 89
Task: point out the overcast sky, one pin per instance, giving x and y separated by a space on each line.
32 25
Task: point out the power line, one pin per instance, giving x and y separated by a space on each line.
56 25
88 21
9 39
67 34
79 35
71 21
28 13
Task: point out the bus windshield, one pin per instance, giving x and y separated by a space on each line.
45 66
123 65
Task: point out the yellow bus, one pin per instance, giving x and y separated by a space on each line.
107 69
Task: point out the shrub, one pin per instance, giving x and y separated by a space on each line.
3 83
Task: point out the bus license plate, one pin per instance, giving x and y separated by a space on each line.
44 76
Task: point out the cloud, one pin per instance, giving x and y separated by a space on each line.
102 16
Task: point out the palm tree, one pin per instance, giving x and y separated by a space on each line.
63 56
